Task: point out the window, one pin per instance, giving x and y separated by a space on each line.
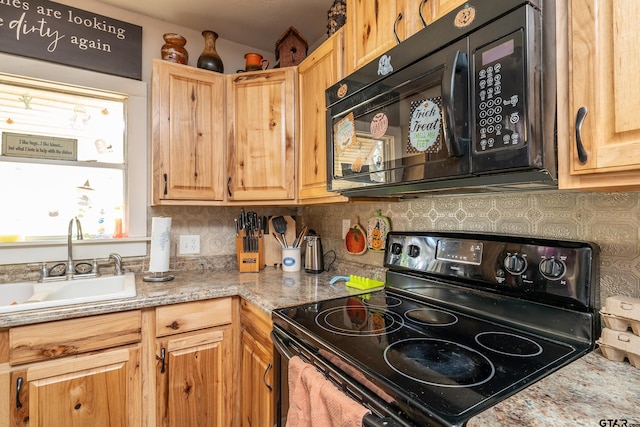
99 125
62 157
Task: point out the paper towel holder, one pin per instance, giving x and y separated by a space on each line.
160 250
158 277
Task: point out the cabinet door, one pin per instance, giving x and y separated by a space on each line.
97 390
370 30
261 128
602 70
442 7
194 379
187 133
256 373
256 384
321 69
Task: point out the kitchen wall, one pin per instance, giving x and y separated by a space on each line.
231 53
610 220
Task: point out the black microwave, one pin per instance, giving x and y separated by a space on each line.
466 104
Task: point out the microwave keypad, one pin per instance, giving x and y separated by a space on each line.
499 104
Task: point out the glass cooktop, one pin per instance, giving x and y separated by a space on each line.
423 356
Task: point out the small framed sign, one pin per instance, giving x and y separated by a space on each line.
39 147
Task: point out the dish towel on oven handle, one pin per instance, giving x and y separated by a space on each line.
315 402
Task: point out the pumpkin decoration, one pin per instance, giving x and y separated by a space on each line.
356 240
377 228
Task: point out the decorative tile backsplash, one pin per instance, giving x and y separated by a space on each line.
611 220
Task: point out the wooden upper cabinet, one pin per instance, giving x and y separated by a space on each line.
187 134
261 135
375 26
602 82
370 30
321 69
439 8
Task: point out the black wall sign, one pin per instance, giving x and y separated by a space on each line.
54 32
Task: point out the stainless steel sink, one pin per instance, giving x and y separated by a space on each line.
22 296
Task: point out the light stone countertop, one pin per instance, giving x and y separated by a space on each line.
583 393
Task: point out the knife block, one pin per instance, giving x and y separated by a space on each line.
250 262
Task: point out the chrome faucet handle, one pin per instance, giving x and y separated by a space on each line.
96 267
42 266
117 262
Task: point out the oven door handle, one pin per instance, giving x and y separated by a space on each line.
371 420
280 345
457 64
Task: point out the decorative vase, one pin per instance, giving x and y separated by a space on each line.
336 16
173 49
209 58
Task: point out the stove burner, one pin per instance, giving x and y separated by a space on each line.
389 302
439 362
357 320
509 344
431 317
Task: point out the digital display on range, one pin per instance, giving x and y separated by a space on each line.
498 52
462 251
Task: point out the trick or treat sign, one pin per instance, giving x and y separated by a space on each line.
54 32
425 127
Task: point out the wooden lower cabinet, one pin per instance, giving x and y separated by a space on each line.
192 379
256 376
195 364
100 390
72 373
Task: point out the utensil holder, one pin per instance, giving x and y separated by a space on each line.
250 262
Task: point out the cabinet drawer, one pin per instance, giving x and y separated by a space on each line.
45 341
191 316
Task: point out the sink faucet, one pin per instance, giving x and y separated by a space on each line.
70 267
117 261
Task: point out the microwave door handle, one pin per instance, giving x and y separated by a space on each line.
458 63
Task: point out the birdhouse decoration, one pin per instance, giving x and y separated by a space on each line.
291 48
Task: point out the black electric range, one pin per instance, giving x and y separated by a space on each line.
464 321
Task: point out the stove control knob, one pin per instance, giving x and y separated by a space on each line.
396 248
515 264
552 268
413 251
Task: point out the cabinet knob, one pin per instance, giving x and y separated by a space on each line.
582 153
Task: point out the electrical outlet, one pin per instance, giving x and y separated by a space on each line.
189 245
346 225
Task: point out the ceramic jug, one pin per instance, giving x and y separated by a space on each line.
255 62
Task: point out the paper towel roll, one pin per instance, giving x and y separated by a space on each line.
160 244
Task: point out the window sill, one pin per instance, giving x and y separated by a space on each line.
56 250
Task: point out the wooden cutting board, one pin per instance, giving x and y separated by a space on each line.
273 249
